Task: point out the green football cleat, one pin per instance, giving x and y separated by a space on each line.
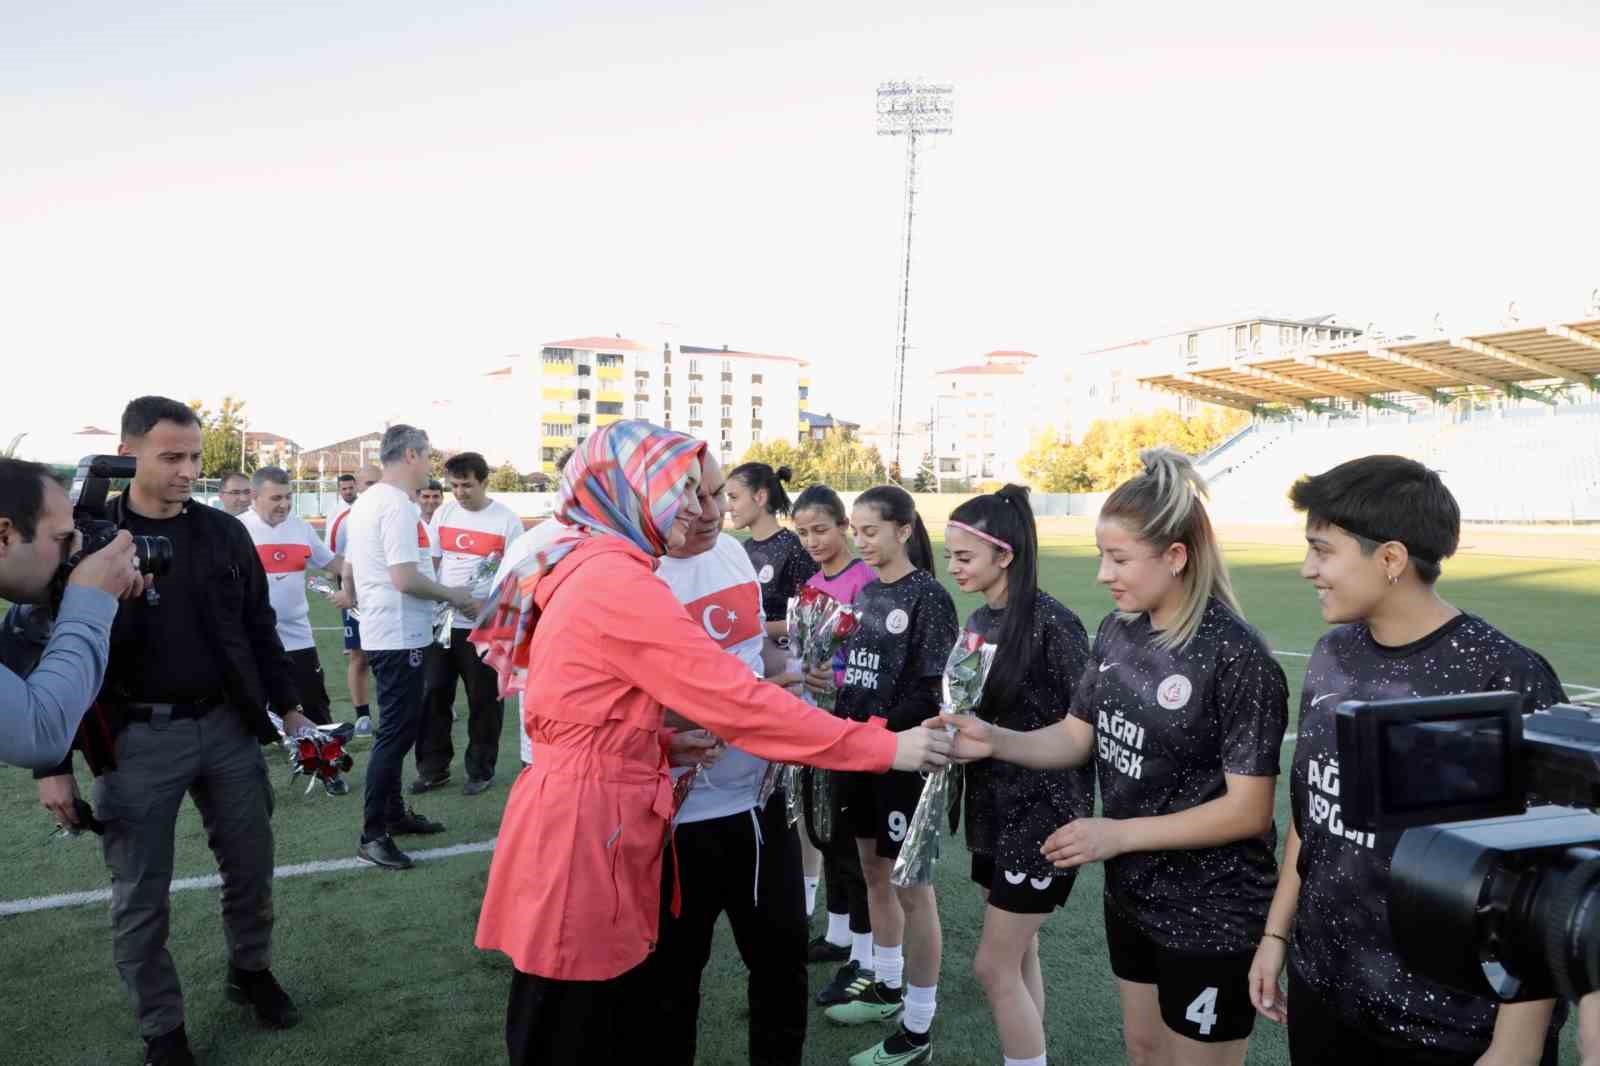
901 1049
875 1004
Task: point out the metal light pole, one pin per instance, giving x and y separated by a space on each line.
913 110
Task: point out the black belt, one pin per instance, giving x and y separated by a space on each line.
143 712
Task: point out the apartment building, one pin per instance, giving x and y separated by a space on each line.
982 417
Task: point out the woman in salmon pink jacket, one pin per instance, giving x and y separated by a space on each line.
598 646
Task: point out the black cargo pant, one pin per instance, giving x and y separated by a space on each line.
219 763
746 865
486 713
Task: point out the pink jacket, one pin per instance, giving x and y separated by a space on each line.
575 885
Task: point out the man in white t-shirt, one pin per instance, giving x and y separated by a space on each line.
732 856
356 666
470 531
430 498
387 554
288 547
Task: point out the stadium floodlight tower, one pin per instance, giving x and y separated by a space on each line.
913 110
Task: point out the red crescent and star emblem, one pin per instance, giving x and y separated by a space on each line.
729 616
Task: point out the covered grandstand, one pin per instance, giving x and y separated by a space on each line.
1509 417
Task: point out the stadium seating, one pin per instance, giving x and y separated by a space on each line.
1540 465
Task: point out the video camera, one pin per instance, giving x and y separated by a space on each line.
1485 894
89 488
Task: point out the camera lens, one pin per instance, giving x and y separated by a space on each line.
154 555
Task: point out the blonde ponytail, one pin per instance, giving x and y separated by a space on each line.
1166 505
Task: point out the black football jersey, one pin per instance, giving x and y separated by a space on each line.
1010 810
783 567
1169 724
907 631
1343 945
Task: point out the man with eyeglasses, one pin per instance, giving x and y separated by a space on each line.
235 494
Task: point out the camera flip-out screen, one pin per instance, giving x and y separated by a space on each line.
1414 762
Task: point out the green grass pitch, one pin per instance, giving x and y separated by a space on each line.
383 963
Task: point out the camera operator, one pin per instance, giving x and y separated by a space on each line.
193 665
51 668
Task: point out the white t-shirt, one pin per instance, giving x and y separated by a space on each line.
286 550
383 529
463 539
720 591
338 527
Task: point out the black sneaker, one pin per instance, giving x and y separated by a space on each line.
384 852
847 984
414 824
821 949
474 788
259 989
428 784
168 1049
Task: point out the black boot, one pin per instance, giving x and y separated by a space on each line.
259 989
168 1049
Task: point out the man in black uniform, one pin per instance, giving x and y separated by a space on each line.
193 665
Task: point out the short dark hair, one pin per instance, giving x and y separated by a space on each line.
1380 498
229 475
346 477
22 494
433 485
467 464
142 414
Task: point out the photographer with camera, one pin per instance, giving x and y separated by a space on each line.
194 663
1377 530
51 661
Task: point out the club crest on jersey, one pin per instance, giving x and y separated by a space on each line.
897 622
764 575
1174 692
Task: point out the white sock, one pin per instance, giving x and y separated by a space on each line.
920 1005
811 894
889 964
861 949
1037 1060
838 933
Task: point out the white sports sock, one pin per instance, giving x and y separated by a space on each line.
920 1005
861 949
811 894
1037 1060
838 933
889 964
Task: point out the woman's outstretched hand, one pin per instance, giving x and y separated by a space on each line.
974 738
921 749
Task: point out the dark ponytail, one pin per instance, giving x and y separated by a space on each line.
759 476
820 498
895 505
1007 515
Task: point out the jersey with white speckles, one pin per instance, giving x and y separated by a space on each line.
782 566
1010 810
1343 946
1169 724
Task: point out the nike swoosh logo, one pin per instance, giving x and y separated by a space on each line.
1106 666
1324 696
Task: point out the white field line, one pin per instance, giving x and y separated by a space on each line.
189 884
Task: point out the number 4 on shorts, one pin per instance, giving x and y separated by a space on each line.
1203 1011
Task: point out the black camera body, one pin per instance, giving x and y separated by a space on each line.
1485 893
90 486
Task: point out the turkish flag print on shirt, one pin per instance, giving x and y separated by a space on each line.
730 616
471 541
283 558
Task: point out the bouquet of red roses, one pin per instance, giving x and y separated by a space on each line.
965 671
818 627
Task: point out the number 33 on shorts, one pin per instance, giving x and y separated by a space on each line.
1203 1011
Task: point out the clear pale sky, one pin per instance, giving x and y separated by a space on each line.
335 209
